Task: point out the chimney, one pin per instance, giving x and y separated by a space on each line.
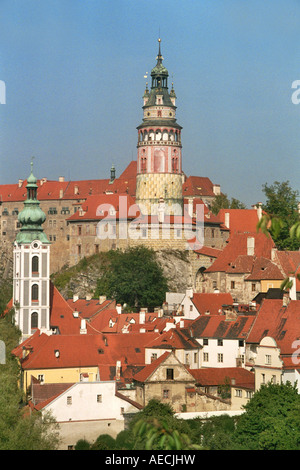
119 309
142 317
88 297
217 189
293 295
61 179
118 370
76 189
227 217
259 210
285 299
83 330
20 183
61 193
102 298
250 246
75 297
75 314
273 254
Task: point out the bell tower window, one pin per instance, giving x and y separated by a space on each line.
35 264
34 320
35 293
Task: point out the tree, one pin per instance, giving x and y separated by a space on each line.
281 210
271 420
222 201
133 277
20 429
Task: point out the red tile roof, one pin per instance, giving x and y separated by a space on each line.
83 349
212 303
123 205
216 326
174 339
148 370
240 220
237 246
280 322
219 375
197 186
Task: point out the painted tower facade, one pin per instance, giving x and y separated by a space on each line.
31 276
159 166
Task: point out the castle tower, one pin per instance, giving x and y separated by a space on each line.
31 273
159 170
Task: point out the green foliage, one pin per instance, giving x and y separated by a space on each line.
124 440
20 430
160 436
133 277
271 420
104 442
82 444
281 219
222 201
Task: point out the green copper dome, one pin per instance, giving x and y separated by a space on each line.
31 217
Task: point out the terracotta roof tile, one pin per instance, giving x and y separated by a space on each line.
212 303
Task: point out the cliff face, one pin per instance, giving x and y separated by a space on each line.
81 279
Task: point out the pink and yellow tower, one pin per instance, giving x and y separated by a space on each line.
159 165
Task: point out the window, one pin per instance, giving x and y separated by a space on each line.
205 341
99 398
34 320
241 343
41 378
79 230
220 342
220 357
273 379
153 357
232 284
166 393
268 359
249 394
195 357
253 287
69 400
238 393
34 292
170 374
263 378
187 358
205 357
35 264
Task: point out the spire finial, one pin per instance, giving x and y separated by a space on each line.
31 163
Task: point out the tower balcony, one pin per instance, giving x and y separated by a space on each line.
159 142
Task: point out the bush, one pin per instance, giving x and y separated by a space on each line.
82 444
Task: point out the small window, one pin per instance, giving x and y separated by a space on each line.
69 400
220 342
205 341
35 264
238 393
220 357
232 284
166 393
34 320
170 374
268 359
99 398
35 293
205 357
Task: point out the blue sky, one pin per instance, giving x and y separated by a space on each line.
74 76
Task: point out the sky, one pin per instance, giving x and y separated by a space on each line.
72 80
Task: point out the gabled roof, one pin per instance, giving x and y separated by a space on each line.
237 247
216 326
278 321
85 350
174 339
98 207
264 269
90 308
212 303
237 376
198 186
148 370
240 220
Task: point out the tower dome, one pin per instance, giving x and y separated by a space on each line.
31 217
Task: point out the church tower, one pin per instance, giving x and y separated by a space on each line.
159 169
31 273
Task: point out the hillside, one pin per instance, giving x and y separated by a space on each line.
81 279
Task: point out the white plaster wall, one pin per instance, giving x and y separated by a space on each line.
230 350
84 405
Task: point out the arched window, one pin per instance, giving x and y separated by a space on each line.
34 320
35 264
34 292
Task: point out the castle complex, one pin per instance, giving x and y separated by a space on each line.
151 203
